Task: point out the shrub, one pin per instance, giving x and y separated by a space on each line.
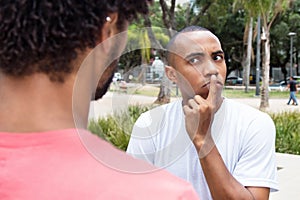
116 128
287 132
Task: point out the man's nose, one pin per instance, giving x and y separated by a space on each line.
211 69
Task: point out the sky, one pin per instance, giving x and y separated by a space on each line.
181 1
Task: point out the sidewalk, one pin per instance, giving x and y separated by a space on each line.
288 177
288 165
113 101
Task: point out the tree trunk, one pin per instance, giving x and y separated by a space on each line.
264 103
247 55
164 95
154 42
165 85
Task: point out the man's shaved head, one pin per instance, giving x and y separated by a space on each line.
171 47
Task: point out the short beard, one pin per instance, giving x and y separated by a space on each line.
100 91
103 86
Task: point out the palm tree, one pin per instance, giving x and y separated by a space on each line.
168 18
251 10
164 94
269 11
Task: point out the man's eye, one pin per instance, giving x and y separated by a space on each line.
194 61
218 58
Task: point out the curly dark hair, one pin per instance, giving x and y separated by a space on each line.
44 35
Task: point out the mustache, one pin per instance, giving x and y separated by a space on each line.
208 82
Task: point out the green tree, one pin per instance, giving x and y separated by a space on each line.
269 11
294 21
280 46
132 56
168 20
251 9
289 21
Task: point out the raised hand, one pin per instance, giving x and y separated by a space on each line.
199 115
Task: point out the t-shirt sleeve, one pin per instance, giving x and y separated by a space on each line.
141 144
257 160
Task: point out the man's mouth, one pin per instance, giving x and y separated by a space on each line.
207 84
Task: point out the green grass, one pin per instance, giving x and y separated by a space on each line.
154 92
150 93
229 93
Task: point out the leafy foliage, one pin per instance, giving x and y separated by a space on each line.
116 128
287 132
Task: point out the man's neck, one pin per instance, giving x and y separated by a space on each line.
35 104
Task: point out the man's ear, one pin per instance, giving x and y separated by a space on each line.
171 73
108 30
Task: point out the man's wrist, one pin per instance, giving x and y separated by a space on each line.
205 147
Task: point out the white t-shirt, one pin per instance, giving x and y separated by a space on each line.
244 136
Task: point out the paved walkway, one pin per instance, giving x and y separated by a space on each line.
289 165
288 177
114 101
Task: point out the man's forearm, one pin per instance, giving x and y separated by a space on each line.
221 183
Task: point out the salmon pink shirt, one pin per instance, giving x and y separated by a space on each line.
75 164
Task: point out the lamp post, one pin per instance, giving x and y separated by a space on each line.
291 34
258 43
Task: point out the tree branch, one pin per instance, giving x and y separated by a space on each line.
203 10
165 13
172 14
154 42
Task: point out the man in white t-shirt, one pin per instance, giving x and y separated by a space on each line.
224 148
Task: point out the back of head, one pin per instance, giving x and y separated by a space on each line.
44 36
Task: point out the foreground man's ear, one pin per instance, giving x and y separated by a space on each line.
108 30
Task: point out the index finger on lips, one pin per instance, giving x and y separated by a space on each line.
213 89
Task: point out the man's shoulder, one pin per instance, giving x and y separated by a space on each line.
86 163
115 164
161 113
245 112
164 185
235 105
248 116
173 106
